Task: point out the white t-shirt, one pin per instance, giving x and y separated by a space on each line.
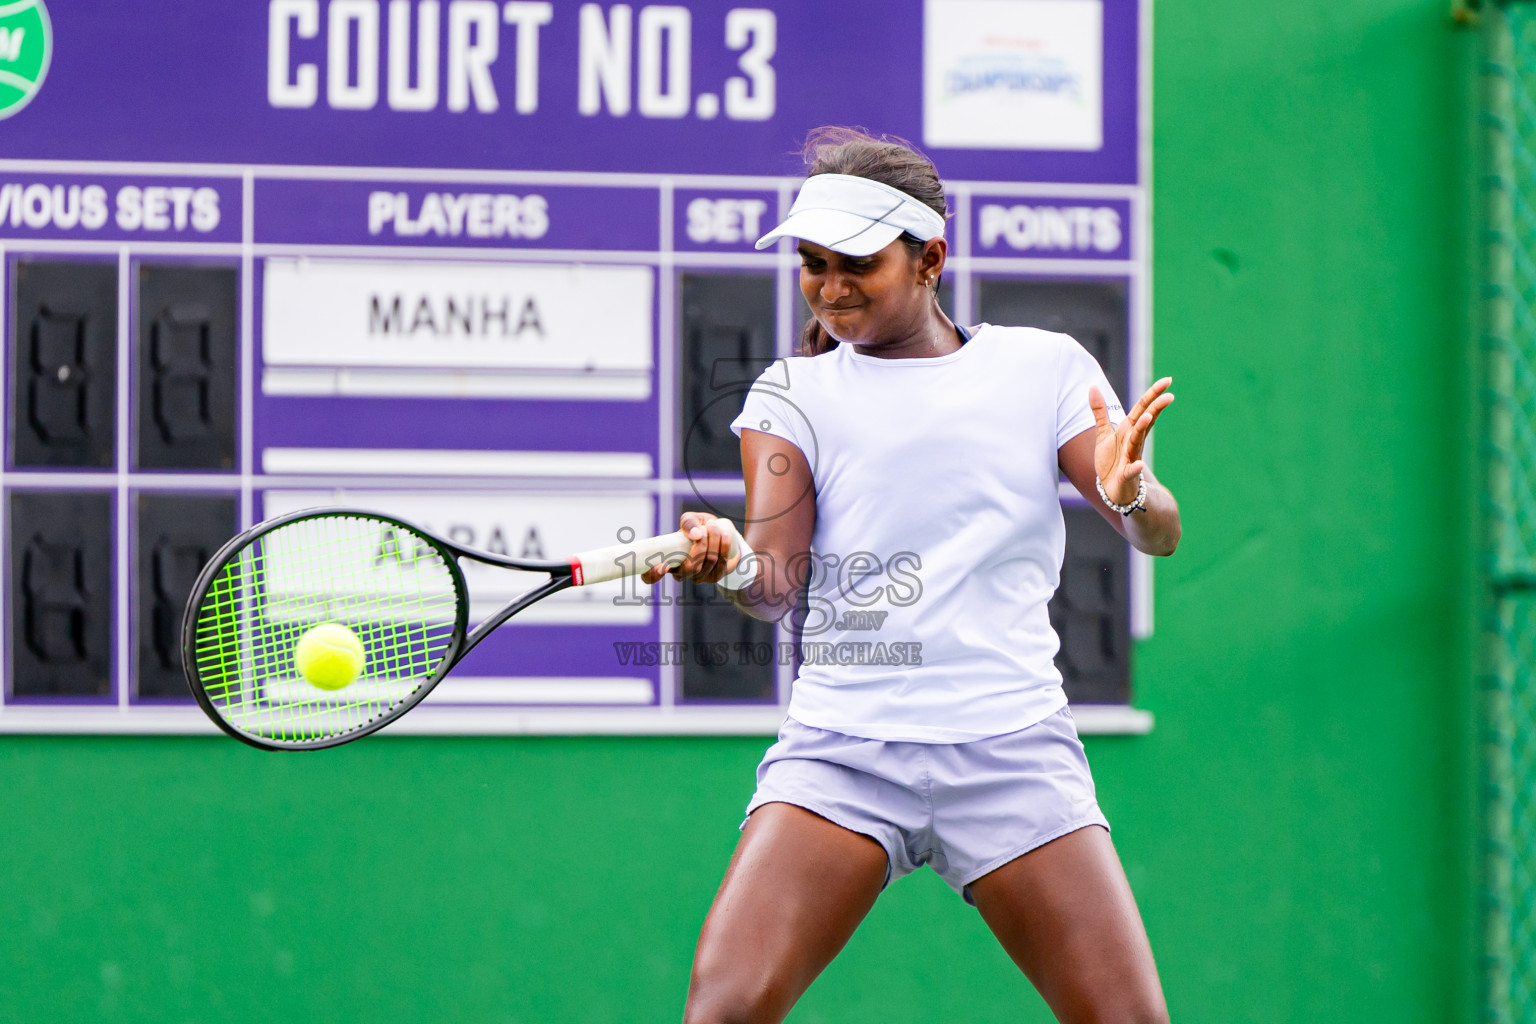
939 533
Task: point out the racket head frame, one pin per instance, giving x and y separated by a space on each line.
450 553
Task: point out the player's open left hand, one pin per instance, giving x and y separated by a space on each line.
714 551
1117 449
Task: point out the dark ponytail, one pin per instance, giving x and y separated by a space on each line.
888 160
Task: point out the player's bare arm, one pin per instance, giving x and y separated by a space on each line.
781 515
1111 454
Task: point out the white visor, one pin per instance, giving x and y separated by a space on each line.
854 216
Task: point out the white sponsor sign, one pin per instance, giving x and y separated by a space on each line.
546 527
1013 74
457 316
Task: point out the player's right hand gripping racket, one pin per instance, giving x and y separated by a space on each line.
397 587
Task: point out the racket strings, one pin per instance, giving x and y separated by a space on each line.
393 590
271 647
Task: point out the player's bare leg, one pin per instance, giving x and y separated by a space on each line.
796 889
1065 914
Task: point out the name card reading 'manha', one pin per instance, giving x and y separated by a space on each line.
456 329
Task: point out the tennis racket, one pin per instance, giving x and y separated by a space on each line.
399 589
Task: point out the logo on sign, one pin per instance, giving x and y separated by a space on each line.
26 48
1023 72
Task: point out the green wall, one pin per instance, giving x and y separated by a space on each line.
1300 828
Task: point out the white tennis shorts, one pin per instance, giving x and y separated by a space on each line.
964 808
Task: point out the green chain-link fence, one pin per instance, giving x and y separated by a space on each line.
1510 566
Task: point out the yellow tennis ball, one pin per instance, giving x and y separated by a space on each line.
329 656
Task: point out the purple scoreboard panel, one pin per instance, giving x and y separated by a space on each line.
488 265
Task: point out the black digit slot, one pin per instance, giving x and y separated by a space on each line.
727 335
64 378
1093 312
61 593
185 409
176 535
1091 611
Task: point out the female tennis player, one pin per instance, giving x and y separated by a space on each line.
907 465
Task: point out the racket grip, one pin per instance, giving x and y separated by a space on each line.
603 564
617 560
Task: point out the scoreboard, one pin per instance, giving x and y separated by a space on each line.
488 266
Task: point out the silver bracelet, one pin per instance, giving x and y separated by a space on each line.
1138 505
